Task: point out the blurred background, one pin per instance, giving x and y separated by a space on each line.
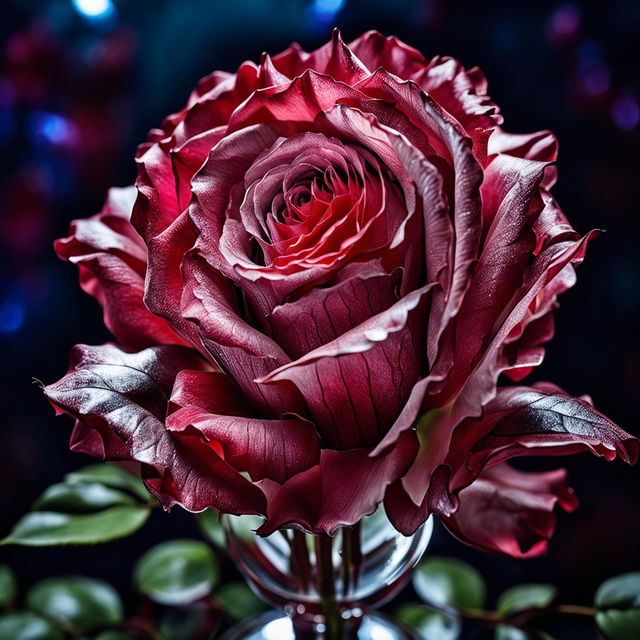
81 82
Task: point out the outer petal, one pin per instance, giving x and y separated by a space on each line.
541 145
275 449
464 95
345 487
520 421
452 145
213 404
112 262
363 376
157 204
164 279
123 397
377 51
511 202
334 59
510 512
237 347
539 420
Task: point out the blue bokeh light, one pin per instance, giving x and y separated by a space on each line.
324 11
94 9
51 128
12 316
626 113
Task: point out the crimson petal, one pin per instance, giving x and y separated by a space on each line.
345 485
213 404
112 262
123 397
337 379
541 419
511 512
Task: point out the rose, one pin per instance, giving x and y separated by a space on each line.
340 253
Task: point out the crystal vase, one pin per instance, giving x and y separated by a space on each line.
325 588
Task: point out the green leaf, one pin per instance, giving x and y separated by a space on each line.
80 497
110 475
526 596
429 622
620 592
211 528
619 601
188 623
46 528
76 603
8 585
113 635
177 572
447 581
24 625
511 633
617 624
237 601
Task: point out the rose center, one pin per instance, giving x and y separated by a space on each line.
312 201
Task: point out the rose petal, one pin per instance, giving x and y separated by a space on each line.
337 379
511 512
274 449
346 486
323 314
112 262
242 351
124 396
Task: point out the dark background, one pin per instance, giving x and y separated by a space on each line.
77 94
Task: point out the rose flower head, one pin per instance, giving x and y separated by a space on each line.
330 272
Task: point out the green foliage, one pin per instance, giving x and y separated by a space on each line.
523 597
618 601
526 596
447 581
8 586
184 623
177 572
110 475
211 528
47 528
80 497
619 592
429 622
76 603
510 633
615 624
237 601
95 504
25 625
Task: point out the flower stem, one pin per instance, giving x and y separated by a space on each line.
300 558
326 588
351 558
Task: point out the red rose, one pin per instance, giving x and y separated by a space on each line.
341 252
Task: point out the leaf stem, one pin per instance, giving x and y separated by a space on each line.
574 609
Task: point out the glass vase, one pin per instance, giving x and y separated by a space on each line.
325 588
